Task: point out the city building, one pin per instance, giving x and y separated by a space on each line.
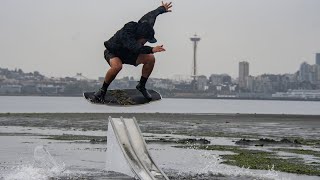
10 89
318 59
162 84
181 78
202 83
216 79
228 90
315 74
49 89
243 74
263 84
309 73
305 72
250 82
2 78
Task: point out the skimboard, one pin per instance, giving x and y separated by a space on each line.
123 97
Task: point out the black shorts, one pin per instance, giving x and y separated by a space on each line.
128 58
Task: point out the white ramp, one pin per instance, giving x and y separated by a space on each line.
127 152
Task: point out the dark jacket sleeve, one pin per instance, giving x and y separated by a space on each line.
151 16
129 41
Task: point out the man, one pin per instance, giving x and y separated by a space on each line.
127 47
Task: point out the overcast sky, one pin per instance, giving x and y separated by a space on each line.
62 37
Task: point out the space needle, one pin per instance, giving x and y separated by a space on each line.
195 39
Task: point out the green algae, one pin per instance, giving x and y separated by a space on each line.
300 151
69 137
262 160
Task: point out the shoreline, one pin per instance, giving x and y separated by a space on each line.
179 97
240 115
188 123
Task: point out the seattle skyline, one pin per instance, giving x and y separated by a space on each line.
63 38
183 76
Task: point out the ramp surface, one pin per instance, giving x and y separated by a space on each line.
127 151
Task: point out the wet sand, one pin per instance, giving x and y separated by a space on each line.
164 131
213 125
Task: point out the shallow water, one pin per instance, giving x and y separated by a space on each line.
38 104
85 160
79 159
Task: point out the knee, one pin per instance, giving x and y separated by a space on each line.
151 59
117 67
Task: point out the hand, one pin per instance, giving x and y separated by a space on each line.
158 49
167 6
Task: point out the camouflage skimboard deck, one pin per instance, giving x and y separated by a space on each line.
124 97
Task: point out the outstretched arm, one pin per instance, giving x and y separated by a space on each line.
151 16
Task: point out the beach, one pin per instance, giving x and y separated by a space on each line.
226 146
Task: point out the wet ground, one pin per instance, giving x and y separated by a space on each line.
185 146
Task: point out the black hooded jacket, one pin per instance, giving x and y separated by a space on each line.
125 40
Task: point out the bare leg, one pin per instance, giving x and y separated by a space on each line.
148 61
115 68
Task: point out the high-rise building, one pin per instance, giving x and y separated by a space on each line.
243 74
315 74
305 72
309 73
318 59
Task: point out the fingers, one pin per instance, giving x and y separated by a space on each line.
158 49
167 6
161 48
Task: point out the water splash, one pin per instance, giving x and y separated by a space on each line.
44 160
43 167
215 167
195 163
